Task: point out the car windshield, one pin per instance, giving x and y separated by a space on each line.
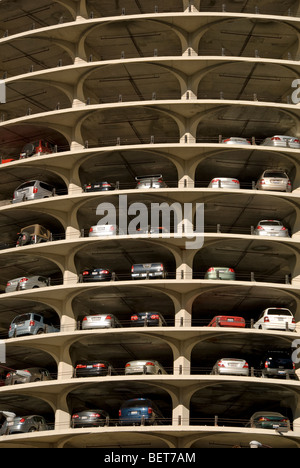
281 175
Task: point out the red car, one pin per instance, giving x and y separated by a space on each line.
5 161
227 321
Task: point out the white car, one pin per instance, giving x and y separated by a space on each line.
236 141
100 230
144 366
271 228
100 321
282 141
225 183
231 366
274 179
276 318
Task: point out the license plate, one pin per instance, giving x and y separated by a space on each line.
83 417
96 186
20 324
230 320
95 273
133 412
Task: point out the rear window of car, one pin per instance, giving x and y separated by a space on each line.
26 185
279 312
136 404
270 223
275 174
22 318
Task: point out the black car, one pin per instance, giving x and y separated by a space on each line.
99 187
90 418
277 364
95 274
93 368
148 319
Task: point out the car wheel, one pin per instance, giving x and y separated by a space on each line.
32 429
24 238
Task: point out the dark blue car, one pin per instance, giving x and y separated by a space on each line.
139 411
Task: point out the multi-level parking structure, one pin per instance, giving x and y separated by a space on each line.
125 89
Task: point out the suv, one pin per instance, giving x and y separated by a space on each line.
30 324
33 282
34 234
150 181
148 271
139 411
276 318
32 374
36 148
277 364
33 190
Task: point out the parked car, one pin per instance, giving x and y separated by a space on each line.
274 180
31 324
225 183
37 148
93 368
153 230
236 141
95 274
32 374
97 321
277 364
231 366
24 424
5 161
33 190
150 181
220 273
148 319
271 228
227 321
90 418
99 187
23 283
282 141
34 234
268 420
100 230
144 366
148 271
276 318
139 411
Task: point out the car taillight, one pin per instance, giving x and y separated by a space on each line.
85 273
266 364
294 366
31 323
150 410
293 320
105 272
75 416
210 270
275 139
235 181
127 365
215 180
8 376
108 317
283 228
24 280
132 269
35 190
84 319
99 365
91 229
120 412
231 270
150 363
154 317
260 228
22 420
246 366
81 366
289 183
161 267
262 182
263 418
266 319
8 284
296 141
112 228
220 364
134 317
95 415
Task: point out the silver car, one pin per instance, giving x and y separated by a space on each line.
274 179
25 424
144 366
32 374
23 283
231 366
97 321
236 141
150 181
282 141
271 228
33 190
224 182
220 273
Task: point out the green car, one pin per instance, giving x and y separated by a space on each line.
268 420
222 273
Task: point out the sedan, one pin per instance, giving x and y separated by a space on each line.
225 183
30 282
100 230
236 141
271 228
100 321
90 418
95 274
274 180
231 366
227 321
220 273
93 368
282 141
144 367
99 187
268 420
148 319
